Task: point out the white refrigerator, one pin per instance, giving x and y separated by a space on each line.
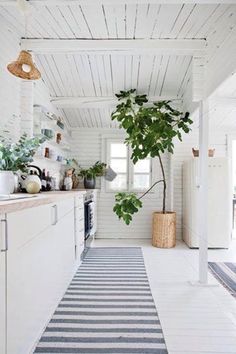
219 203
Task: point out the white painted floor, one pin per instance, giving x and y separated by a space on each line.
194 319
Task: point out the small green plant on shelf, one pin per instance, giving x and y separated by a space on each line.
17 156
150 128
97 170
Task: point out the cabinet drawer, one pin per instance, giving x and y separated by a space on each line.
27 224
64 207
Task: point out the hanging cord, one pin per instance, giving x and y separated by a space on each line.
25 9
26 24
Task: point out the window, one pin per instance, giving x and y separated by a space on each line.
130 177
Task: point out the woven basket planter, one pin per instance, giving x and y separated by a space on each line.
164 229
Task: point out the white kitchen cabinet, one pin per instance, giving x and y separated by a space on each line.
40 262
94 229
79 226
3 279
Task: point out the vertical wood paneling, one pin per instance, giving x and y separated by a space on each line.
86 148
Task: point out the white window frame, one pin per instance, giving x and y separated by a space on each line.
108 157
106 141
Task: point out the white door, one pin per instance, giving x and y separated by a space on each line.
2 285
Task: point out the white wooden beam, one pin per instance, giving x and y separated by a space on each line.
115 2
127 46
98 102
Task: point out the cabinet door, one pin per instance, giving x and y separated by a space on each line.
79 231
64 252
40 266
29 271
2 284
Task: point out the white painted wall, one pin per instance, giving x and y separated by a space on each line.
87 149
9 85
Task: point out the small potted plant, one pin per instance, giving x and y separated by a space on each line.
150 130
15 157
90 174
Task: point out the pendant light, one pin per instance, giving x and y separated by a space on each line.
24 66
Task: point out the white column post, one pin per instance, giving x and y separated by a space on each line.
27 107
202 202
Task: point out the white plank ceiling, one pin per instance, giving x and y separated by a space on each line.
120 21
102 75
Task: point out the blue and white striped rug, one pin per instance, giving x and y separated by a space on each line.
225 273
108 308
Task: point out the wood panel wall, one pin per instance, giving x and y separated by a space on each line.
87 149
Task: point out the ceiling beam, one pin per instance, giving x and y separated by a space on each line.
115 2
98 102
116 46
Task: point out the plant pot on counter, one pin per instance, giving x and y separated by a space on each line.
7 182
164 229
89 183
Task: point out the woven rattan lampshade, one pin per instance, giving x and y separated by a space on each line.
17 67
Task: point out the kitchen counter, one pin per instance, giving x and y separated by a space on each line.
10 206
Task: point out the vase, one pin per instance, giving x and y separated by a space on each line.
7 182
68 183
89 183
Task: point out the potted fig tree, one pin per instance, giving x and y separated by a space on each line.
150 128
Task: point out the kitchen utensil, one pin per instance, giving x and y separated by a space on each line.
31 183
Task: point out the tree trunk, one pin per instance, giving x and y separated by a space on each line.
164 185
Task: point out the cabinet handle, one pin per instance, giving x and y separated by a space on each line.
55 215
6 236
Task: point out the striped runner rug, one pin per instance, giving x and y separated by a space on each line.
108 308
225 273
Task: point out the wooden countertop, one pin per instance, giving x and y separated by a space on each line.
10 206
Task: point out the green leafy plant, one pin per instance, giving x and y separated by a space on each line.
97 170
17 156
126 205
150 128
